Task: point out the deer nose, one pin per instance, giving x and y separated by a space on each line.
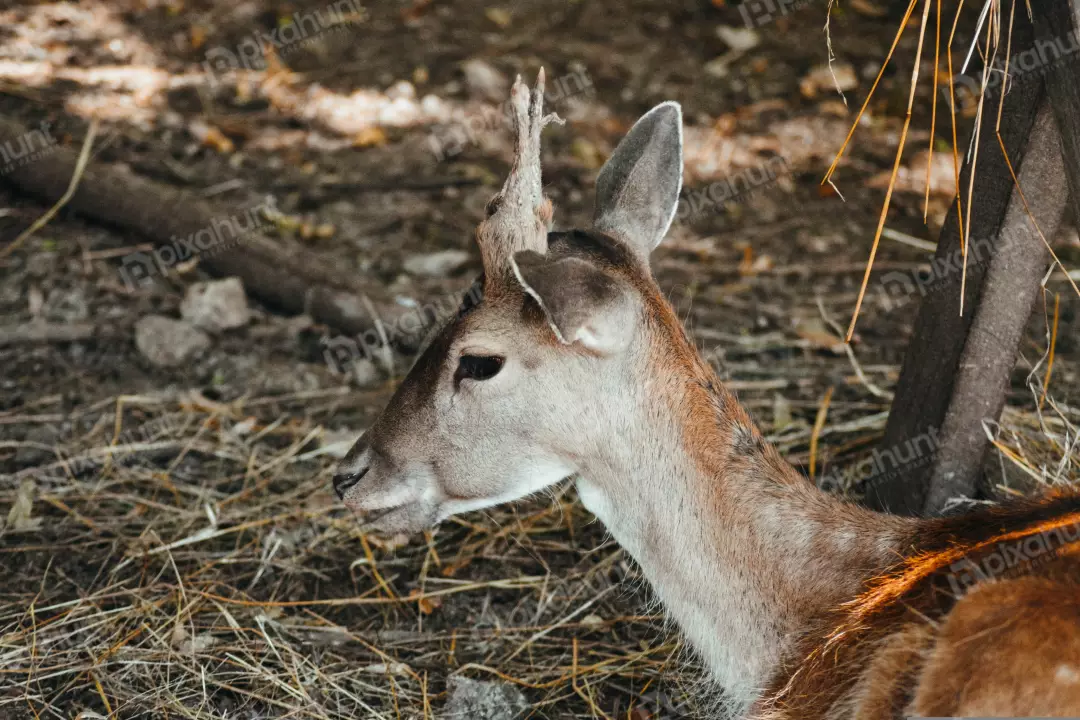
344 481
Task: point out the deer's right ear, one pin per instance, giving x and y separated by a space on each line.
637 191
583 303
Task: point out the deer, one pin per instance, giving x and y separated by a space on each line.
572 364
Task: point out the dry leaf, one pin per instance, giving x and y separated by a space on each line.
416 11
320 231
198 36
389 543
394 668
498 15
425 604
867 8
738 39
20 517
781 412
821 78
747 261
826 190
753 264
912 177
210 136
836 108
813 330
369 137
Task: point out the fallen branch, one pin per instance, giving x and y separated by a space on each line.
288 282
34 333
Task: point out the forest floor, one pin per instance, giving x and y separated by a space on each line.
172 546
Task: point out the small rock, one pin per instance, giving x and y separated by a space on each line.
719 67
20 517
166 342
366 373
66 305
401 90
36 450
497 15
436 264
484 81
41 264
821 78
216 305
483 700
739 39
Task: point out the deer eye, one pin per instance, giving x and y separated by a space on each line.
478 367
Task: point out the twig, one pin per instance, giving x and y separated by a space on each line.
869 95
933 109
1050 353
41 332
80 166
819 423
895 170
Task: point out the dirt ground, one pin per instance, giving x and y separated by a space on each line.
202 567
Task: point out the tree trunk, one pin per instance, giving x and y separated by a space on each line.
928 392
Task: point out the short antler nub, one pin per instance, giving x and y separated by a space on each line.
519 216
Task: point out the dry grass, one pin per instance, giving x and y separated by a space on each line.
202 568
184 558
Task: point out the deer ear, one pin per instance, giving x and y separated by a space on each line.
637 191
583 303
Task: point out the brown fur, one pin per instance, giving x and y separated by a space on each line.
854 614
1008 648
907 646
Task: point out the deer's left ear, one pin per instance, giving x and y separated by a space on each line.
637 191
583 303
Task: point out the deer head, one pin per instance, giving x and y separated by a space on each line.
526 386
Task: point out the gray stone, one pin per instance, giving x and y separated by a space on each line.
67 306
37 451
483 700
366 373
436 264
166 342
216 305
485 82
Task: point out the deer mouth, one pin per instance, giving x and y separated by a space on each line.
410 517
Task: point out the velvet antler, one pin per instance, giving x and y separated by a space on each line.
519 216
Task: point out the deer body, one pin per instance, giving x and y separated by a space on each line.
574 365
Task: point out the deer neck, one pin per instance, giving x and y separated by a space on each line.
745 554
